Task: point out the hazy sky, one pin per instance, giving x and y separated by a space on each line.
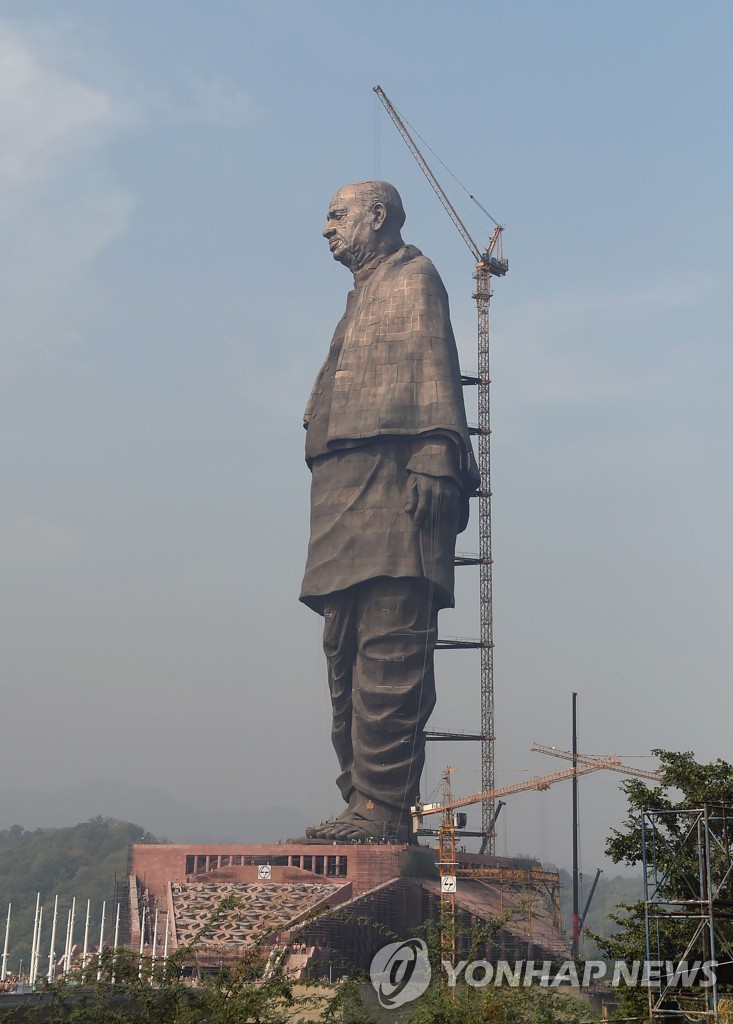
166 299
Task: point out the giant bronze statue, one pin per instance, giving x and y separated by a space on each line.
392 470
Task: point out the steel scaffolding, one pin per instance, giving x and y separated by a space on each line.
688 909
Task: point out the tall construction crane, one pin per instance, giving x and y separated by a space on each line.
452 823
489 263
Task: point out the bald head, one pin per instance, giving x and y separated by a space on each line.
363 223
374 192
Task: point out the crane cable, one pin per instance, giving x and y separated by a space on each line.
377 138
447 168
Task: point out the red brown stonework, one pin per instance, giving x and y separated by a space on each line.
365 866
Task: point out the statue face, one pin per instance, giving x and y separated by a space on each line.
350 229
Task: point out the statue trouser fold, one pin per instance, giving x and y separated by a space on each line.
379 640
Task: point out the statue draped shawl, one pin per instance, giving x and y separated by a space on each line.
398 371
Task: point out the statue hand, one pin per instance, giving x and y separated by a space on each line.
429 497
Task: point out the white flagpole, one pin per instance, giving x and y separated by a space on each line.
37 951
155 945
33 941
66 943
69 936
5 947
37 963
142 945
101 942
32 960
115 944
51 952
86 942
71 930
165 944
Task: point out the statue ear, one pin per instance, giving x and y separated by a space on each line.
379 215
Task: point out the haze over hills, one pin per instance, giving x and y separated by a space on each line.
164 815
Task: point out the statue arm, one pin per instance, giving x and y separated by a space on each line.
439 467
433 479
436 455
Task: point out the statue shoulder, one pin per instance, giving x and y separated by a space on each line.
412 262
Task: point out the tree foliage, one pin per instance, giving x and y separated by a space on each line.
502 1005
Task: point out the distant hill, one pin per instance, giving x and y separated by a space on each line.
610 891
158 812
80 861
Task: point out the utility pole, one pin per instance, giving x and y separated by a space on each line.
576 901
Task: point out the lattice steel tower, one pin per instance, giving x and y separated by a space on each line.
483 299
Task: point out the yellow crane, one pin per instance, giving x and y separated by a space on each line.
450 871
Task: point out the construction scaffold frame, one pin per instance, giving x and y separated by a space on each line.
687 858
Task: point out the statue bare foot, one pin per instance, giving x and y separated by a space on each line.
364 820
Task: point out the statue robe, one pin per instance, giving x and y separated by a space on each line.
387 402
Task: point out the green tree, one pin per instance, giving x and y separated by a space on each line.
497 1005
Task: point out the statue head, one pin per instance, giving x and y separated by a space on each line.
363 223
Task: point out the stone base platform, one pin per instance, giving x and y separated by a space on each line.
337 898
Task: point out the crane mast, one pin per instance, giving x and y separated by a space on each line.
489 263
486 560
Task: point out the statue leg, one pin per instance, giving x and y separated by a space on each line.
393 697
339 646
